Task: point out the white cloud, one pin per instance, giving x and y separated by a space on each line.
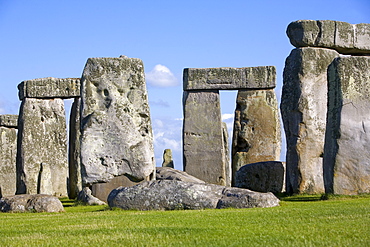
227 116
161 76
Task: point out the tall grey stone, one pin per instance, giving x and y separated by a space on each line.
229 78
75 177
167 158
228 169
257 134
343 37
8 152
42 139
49 87
203 143
347 140
116 132
303 108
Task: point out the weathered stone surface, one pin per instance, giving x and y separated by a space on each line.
116 132
257 134
344 37
171 195
262 177
203 143
229 78
49 87
8 120
42 139
8 152
85 196
303 108
347 140
167 158
75 178
44 183
168 173
228 169
31 203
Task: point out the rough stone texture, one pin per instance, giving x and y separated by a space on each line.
167 158
262 177
203 143
102 190
347 140
85 196
75 179
229 78
257 134
344 37
10 121
8 153
171 195
228 170
116 132
42 138
303 108
168 173
31 203
49 87
45 184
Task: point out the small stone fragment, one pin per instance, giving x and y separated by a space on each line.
167 158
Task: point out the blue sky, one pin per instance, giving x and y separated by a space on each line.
55 38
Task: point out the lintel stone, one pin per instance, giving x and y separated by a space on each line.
49 87
8 120
226 78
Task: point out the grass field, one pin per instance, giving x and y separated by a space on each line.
299 221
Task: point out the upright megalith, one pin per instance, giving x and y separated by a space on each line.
167 158
116 132
204 150
42 139
347 140
303 109
257 136
8 151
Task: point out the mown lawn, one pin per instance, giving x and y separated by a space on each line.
299 221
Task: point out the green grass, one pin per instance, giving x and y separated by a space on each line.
299 221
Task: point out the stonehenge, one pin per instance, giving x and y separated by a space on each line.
324 109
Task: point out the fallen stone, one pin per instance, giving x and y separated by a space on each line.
262 177
203 141
168 173
42 139
86 197
31 203
343 37
8 152
116 132
49 87
303 108
229 78
347 140
257 134
167 158
172 195
8 120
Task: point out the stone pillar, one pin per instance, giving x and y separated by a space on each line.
8 151
75 179
257 136
167 158
116 132
204 154
347 140
303 109
228 170
42 139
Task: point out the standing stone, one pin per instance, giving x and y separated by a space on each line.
225 138
167 158
42 139
75 179
204 151
45 185
8 152
257 135
116 132
303 108
347 140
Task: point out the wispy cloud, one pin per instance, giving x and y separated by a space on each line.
161 76
159 102
227 116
